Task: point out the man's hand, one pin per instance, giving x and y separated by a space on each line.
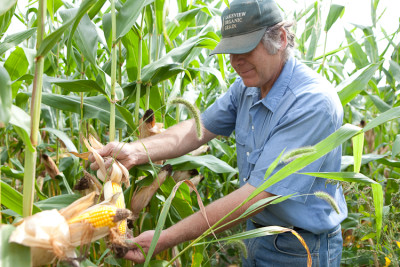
144 240
123 152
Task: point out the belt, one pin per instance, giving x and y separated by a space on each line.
257 225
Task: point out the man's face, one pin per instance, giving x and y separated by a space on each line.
258 68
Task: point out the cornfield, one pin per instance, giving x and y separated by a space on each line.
92 70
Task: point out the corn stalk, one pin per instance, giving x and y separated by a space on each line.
31 155
113 70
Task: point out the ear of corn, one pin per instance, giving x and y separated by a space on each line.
102 216
116 188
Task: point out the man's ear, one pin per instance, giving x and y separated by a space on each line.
283 36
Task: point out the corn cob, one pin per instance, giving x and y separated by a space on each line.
116 188
103 216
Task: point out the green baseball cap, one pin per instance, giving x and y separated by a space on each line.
244 24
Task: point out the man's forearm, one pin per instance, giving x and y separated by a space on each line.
176 141
194 225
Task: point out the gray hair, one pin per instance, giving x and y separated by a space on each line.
272 39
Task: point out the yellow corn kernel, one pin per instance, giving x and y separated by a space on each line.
116 188
99 217
120 204
122 227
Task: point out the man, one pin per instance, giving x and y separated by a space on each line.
276 103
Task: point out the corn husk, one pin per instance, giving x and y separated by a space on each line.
52 237
50 166
199 151
142 197
148 125
184 175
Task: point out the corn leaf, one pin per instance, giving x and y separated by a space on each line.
357 54
93 107
12 199
77 85
356 83
57 202
15 39
50 41
5 97
396 146
337 138
7 9
182 201
16 64
21 122
159 10
63 137
395 69
181 22
382 118
189 162
12 254
335 11
358 145
128 15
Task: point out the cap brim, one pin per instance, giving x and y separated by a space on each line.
239 44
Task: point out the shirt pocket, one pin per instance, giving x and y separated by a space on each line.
242 151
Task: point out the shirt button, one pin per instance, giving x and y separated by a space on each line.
244 179
252 127
248 153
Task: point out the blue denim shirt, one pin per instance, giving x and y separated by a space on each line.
301 109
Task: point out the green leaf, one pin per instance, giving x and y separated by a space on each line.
5 97
396 146
382 118
358 145
96 107
356 83
77 85
395 69
343 176
331 142
63 137
189 162
16 64
57 202
170 62
21 122
128 15
335 12
181 22
381 105
12 199
15 39
53 6
182 201
12 254
50 41
358 55
86 39
159 10
7 9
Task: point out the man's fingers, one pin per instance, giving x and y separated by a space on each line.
94 166
134 255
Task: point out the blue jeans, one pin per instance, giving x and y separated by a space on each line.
286 250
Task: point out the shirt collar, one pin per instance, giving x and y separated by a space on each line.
274 96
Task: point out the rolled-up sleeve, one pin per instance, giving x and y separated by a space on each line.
220 117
